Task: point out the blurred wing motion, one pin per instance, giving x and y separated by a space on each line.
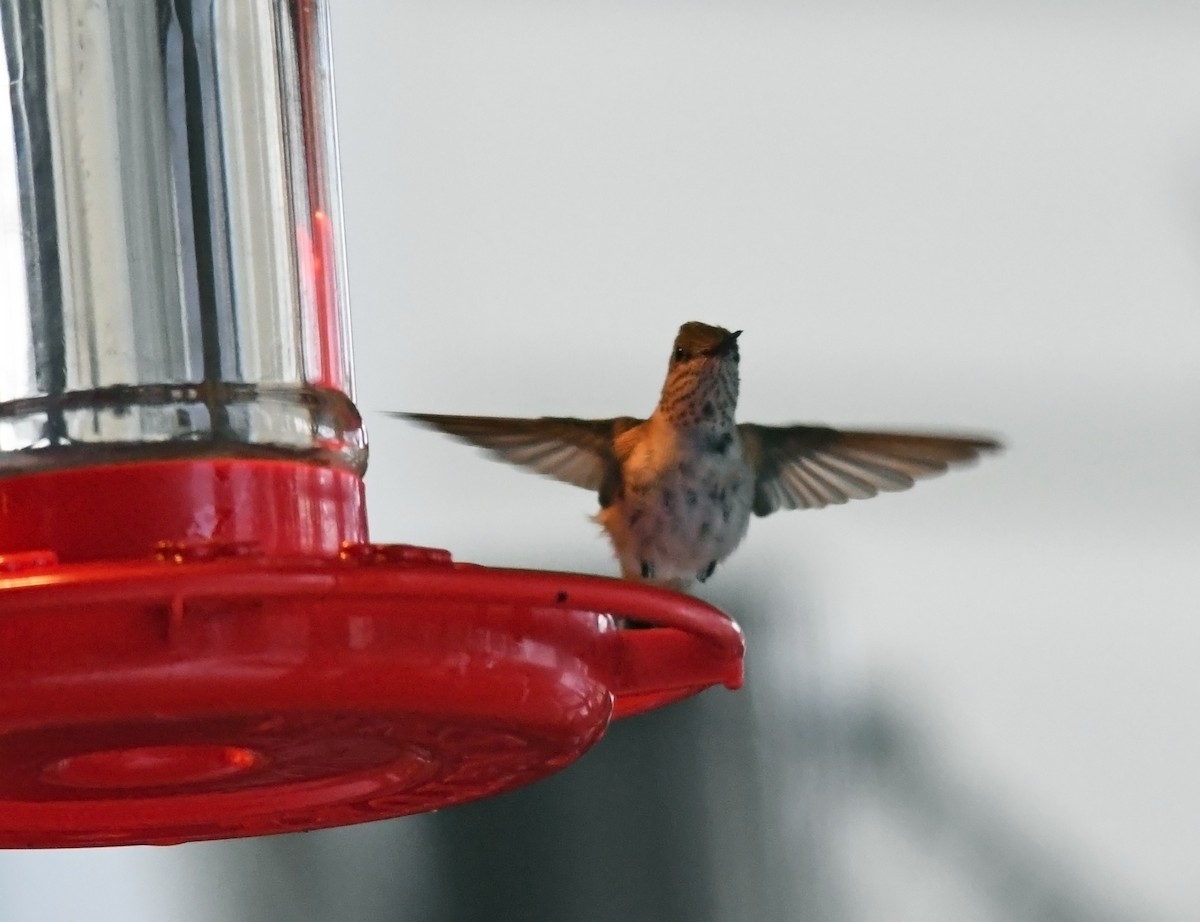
807 467
578 451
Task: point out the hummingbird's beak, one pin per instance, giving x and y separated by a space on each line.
729 344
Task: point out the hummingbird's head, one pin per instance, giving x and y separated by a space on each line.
702 378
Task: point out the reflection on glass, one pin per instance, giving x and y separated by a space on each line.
15 369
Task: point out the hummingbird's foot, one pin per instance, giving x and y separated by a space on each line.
647 570
707 571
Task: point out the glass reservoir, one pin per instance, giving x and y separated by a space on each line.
171 265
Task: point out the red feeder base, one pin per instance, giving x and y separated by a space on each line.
207 696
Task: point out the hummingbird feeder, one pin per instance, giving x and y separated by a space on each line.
197 639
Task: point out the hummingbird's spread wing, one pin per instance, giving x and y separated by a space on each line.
807 467
578 451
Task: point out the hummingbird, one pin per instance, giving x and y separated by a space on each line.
677 490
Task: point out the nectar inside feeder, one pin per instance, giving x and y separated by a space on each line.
197 639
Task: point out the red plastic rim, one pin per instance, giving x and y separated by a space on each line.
123 510
215 690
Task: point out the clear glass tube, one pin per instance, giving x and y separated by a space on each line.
171 264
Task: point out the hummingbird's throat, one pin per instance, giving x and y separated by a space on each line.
705 402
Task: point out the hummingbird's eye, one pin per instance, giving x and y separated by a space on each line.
679 355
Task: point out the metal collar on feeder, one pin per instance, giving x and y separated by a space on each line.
197 639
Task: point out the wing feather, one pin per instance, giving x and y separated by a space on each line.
807 467
576 451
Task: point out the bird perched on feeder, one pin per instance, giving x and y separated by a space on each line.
677 490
